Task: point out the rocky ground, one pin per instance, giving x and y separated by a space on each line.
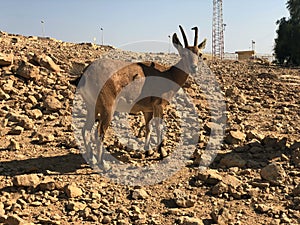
44 180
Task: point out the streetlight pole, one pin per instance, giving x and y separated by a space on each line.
102 36
169 36
253 45
43 28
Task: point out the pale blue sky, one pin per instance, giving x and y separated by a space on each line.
137 20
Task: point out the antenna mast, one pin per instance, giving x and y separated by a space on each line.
218 30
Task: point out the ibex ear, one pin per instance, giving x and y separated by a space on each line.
202 44
176 42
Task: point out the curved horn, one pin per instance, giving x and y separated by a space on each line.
184 37
196 36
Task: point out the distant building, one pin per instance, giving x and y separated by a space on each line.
244 55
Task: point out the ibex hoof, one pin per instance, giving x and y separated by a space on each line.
105 166
163 153
149 152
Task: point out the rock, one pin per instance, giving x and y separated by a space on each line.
296 191
17 130
76 206
15 220
26 180
295 156
77 68
6 59
270 141
8 86
184 202
139 194
25 122
106 220
219 188
47 184
34 113
28 71
235 137
274 173
185 220
209 176
221 217
2 211
72 191
3 95
232 91
52 103
253 134
45 138
31 99
285 219
232 160
261 208
47 62
13 145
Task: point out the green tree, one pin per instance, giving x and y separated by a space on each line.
287 43
294 7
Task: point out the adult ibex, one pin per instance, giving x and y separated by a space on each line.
101 89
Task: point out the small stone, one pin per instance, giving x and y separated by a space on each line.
232 160
285 219
296 156
285 158
77 68
262 208
253 134
35 113
6 59
48 184
122 222
14 220
73 191
219 188
221 216
139 194
76 206
2 211
185 220
106 220
296 191
210 176
26 180
274 173
184 202
31 99
235 137
52 103
45 138
3 95
13 145
17 130
25 122
47 62
28 71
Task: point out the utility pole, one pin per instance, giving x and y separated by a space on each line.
218 28
253 45
169 50
43 28
102 36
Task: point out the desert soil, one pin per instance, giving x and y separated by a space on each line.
254 179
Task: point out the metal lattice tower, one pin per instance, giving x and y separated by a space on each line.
218 30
